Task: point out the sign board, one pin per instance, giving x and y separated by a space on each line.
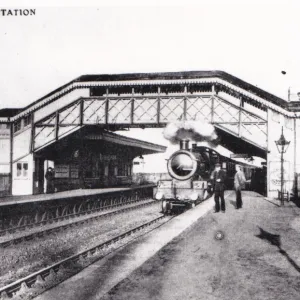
62 171
74 171
239 155
275 174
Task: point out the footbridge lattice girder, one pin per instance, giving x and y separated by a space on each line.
152 111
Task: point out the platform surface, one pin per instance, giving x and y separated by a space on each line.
258 258
10 200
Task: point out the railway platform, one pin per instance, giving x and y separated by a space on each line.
250 253
19 212
12 200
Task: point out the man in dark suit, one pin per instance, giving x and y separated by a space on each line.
50 180
218 177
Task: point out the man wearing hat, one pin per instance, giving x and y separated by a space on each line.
218 177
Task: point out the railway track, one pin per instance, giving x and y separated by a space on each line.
37 282
89 218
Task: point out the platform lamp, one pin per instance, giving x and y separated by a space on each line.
282 146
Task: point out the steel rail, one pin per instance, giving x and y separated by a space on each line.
27 282
48 231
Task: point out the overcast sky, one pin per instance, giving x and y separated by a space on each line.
253 40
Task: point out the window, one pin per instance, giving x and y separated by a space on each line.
125 169
25 169
17 125
27 120
19 169
22 170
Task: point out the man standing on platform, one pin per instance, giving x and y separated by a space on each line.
218 177
50 180
239 184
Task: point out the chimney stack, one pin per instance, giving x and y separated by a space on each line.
184 145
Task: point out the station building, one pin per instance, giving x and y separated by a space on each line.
91 157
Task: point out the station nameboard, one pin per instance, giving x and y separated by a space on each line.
239 155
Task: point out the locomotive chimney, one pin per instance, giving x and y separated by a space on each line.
184 145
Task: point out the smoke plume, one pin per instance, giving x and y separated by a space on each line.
197 131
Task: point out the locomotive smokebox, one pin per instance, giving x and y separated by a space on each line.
184 145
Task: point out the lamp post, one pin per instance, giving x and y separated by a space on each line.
282 146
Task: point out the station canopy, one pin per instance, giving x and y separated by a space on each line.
106 141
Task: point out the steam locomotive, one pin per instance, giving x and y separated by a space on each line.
190 171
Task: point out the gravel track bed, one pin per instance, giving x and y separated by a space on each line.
22 259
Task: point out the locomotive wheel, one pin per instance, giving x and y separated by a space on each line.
164 207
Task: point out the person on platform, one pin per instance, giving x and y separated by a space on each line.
50 180
218 177
239 184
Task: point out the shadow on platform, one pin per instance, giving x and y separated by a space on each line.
233 203
274 239
296 201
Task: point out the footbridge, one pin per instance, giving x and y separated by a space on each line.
247 119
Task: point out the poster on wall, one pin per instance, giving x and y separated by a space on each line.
62 171
275 174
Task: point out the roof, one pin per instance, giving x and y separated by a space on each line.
186 75
96 133
9 112
223 79
126 141
174 75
